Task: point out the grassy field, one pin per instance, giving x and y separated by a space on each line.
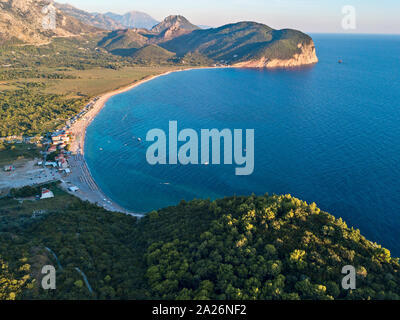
15 152
90 82
97 81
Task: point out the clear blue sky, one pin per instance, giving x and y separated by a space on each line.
373 16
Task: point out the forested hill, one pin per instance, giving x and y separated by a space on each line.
266 247
248 42
239 44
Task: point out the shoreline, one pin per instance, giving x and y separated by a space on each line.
78 129
81 175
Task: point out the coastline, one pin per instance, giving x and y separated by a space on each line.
81 175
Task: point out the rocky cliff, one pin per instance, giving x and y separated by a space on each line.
306 56
36 22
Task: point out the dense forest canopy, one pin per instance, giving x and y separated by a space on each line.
257 247
26 112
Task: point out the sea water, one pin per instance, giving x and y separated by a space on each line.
327 133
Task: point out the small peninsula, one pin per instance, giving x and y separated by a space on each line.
243 44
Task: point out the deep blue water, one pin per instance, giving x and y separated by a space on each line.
327 134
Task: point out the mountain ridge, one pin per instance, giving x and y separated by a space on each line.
248 44
171 27
242 44
25 21
133 19
93 19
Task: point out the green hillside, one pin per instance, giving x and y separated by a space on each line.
239 42
152 54
123 39
228 44
265 247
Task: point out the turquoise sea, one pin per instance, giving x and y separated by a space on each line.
328 134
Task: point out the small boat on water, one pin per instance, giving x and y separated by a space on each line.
138 139
340 61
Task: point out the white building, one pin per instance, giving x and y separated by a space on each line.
73 189
46 194
9 168
51 164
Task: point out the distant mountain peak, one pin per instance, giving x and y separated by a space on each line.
135 12
174 22
133 19
93 19
176 17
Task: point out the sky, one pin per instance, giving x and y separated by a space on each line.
315 16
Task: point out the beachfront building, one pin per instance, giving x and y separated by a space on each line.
46 194
61 161
61 135
52 149
60 139
9 168
73 189
63 164
55 138
51 164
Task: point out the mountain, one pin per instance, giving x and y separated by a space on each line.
133 19
169 28
174 22
123 39
248 44
25 21
243 44
109 20
93 19
172 27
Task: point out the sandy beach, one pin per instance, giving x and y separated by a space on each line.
80 174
